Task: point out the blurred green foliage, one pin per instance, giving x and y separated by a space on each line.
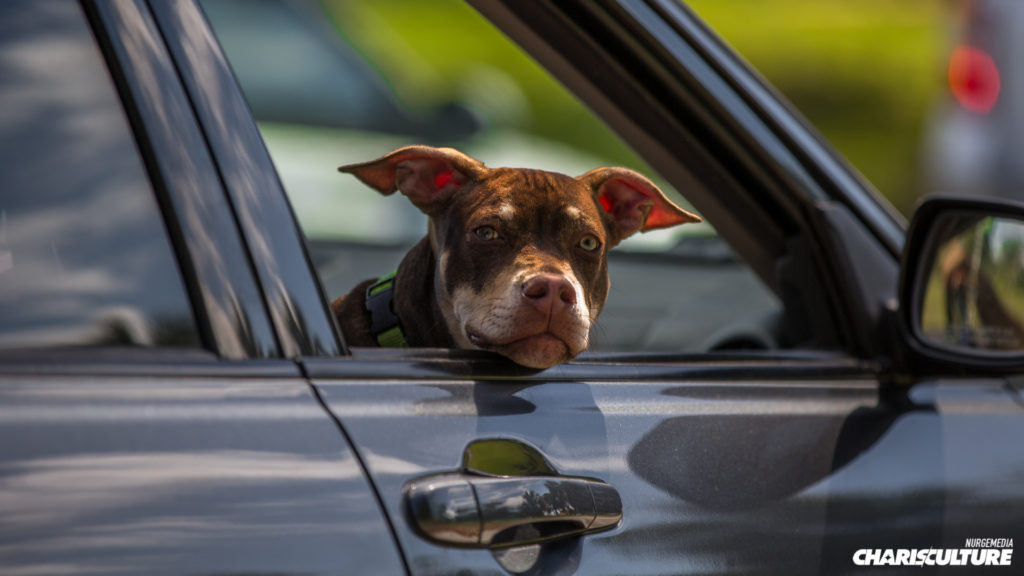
452 54
865 72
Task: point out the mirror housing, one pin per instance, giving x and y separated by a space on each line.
961 295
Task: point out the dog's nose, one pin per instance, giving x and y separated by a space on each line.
549 292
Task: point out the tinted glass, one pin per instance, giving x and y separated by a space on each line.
84 253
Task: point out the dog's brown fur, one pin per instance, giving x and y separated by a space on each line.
515 260
420 325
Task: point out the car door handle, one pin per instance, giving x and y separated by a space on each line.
473 511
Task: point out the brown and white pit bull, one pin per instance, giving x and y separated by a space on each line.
514 260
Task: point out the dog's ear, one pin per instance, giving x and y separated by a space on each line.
633 202
427 175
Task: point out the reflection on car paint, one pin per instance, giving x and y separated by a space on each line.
169 477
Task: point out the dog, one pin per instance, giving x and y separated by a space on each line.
514 260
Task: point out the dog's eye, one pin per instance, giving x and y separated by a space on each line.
486 233
589 243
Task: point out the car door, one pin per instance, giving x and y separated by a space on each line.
759 462
732 465
150 419
794 460
720 464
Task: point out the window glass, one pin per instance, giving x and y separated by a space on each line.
341 82
84 254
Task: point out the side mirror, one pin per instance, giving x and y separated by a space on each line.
962 282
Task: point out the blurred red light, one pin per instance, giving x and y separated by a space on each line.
974 79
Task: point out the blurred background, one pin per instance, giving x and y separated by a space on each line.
915 93
874 76
920 95
867 73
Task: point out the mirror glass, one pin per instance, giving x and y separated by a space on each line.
974 292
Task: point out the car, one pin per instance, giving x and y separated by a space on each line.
972 132
175 396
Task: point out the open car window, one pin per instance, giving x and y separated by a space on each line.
342 82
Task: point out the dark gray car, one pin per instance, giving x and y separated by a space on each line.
175 397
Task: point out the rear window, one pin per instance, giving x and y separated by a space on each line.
85 259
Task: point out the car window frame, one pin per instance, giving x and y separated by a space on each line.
227 302
776 192
772 209
275 248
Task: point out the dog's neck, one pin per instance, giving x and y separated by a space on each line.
415 302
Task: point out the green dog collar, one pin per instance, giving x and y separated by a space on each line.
384 324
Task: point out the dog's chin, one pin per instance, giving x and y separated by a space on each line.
539 351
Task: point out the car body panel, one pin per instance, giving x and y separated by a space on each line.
181 473
727 467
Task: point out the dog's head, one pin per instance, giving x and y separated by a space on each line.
521 254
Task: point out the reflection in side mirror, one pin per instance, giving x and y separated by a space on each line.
970 293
